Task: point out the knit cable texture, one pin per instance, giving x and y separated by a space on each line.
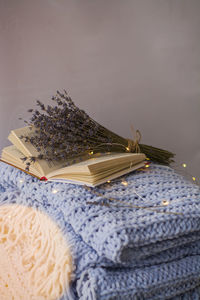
106 240
124 234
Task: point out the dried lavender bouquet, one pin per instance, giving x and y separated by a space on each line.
64 131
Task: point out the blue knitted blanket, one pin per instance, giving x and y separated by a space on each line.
122 252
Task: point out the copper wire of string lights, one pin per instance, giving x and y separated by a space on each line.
184 172
165 202
126 204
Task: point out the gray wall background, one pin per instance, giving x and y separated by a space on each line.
123 61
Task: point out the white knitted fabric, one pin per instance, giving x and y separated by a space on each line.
35 259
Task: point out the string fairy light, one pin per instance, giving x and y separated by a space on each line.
54 191
126 204
186 173
125 183
165 202
183 165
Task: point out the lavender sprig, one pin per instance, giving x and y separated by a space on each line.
63 131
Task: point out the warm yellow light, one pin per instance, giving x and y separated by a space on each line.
165 202
54 191
193 178
91 152
127 148
146 166
108 181
125 183
147 158
184 165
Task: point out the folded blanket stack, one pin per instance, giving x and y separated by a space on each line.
132 247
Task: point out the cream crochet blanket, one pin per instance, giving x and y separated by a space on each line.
35 259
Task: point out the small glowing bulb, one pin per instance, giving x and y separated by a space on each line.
108 181
21 180
193 178
184 165
125 183
91 152
146 166
165 202
147 158
54 191
127 148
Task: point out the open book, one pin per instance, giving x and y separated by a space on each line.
92 171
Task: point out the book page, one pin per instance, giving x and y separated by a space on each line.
25 147
93 183
29 150
100 163
101 174
116 158
13 156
